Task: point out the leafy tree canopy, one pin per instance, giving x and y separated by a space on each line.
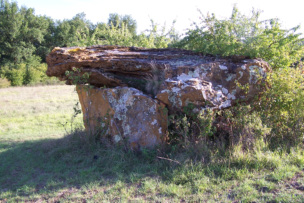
120 21
21 32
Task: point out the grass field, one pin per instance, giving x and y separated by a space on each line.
42 159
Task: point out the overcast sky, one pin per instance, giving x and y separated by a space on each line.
184 12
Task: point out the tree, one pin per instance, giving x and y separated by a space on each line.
49 42
21 32
74 32
120 21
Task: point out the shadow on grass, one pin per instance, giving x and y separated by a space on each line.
42 166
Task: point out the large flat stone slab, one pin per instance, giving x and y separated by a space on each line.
174 77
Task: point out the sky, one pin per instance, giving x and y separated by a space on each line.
163 12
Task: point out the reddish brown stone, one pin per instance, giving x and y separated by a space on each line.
125 114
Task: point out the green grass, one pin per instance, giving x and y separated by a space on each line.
32 112
41 162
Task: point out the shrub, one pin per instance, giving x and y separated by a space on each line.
37 74
4 83
246 36
241 126
25 73
282 108
189 127
120 34
277 118
16 75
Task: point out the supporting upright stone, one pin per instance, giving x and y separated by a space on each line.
126 114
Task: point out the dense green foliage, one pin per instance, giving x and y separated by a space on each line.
282 110
245 36
26 39
21 33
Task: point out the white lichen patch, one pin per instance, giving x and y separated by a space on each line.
203 67
139 94
175 89
241 74
117 138
190 75
152 109
154 122
231 96
219 95
202 84
224 90
230 77
262 72
120 104
175 99
185 77
193 81
165 91
226 104
130 114
223 67
253 71
126 129
204 95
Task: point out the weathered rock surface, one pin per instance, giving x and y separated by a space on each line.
174 78
124 113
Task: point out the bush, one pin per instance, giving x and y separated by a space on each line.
245 36
26 74
4 83
36 74
277 118
282 108
189 128
241 126
120 35
16 75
